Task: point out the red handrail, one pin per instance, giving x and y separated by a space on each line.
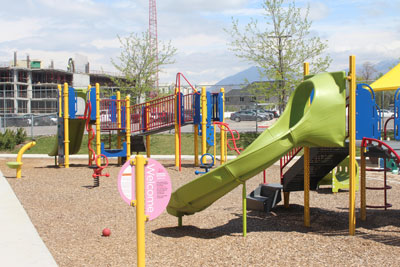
286 159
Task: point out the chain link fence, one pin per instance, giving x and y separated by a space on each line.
33 124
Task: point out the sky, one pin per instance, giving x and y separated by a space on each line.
58 30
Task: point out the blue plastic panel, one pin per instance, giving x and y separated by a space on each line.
396 115
92 99
367 116
196 102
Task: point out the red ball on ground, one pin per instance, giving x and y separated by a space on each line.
106 232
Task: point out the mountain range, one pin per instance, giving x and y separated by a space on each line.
252 74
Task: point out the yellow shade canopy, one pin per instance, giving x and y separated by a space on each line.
389 81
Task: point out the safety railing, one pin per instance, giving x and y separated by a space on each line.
286 159
153 115
109 114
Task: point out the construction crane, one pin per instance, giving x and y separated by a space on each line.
153 37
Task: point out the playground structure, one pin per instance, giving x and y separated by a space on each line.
318 125
131 121
296 128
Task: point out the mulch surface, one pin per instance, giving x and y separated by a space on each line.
70 215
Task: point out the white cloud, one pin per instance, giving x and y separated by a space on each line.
19 28
106 43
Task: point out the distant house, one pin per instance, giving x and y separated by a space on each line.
238 99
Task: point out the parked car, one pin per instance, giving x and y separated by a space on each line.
248 115
273 112
43 121
266 113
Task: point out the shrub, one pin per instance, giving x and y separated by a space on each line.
20 136
9 139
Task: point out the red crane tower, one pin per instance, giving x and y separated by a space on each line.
153 36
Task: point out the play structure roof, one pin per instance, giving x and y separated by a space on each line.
389 81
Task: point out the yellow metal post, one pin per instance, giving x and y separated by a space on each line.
203 123
98 140
196 145
352 144
306 171
139 162
176 129
119 123
147 126
363 186
66 128
222 133
128 127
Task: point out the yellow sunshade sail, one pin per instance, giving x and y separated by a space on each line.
389 81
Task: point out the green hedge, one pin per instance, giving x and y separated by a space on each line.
9 139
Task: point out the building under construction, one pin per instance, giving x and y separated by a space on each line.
26 87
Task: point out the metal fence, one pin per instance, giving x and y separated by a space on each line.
33 124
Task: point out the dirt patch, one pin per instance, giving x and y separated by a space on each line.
70 217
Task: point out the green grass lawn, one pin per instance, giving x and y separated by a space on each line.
161 144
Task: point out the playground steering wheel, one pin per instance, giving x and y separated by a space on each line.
205 166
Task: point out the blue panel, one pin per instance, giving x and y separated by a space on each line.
182 110
367 117
92 99
396 115
210 135
112 153
209 108
144 118
72 102
196 117
312 96
220 108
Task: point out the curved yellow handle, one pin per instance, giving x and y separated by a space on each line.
20 153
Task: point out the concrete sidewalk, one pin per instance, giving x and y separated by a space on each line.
20 243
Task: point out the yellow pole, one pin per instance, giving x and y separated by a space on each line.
119 123
196 145
140 161
203 123
89 129
128 127
306 171
66 129
222 133
363 186
98 140
352 144
19 157
176 129
147 126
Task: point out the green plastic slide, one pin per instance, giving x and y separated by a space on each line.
323 123
76 130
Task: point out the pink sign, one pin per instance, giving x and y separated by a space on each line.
157 186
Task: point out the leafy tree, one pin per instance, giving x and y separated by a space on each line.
279 46
139 65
